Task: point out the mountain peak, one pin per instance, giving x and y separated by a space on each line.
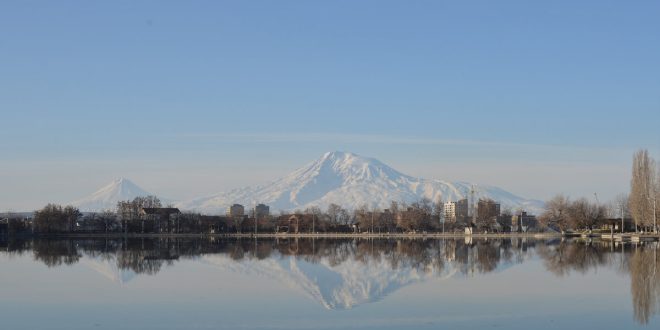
119 189
122 182
343 160
342 157
338 155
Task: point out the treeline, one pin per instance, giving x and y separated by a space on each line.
129 217
146 215
636 211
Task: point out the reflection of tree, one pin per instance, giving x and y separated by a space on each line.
567 256
56 252
640 261
136 261
487 256
645 282
147 256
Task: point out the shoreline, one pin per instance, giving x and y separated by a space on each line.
546 235
299 235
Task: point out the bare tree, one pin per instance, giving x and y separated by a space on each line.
363 217
584 214
315 213
109 220
55 218
556 213
333 214
345 217
642 186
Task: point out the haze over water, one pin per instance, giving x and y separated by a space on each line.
328 284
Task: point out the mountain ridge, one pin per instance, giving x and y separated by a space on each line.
342 178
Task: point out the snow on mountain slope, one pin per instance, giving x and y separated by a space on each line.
107 197
351 181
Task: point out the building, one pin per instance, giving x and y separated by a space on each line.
261 211
456 211
449 210
526 222
236 210
461 210
158 213
157 218
488 209
614 224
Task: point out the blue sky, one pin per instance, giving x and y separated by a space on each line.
191 98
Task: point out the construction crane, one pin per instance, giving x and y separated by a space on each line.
473 205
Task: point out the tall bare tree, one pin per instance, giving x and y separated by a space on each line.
642 188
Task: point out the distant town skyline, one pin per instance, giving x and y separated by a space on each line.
194 99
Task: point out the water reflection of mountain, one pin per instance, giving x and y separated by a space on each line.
341 286
358 272
345 273
109 268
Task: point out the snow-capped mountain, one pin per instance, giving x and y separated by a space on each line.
351 181
107 197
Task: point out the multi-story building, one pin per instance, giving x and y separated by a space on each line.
261 210
236 210
450 211
523 222
488 209
462 210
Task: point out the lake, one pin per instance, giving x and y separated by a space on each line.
211 283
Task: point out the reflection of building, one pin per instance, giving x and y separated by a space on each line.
236 210
261 211
4 226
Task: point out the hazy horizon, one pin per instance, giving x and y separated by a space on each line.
138 181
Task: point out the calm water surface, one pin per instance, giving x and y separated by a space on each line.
328 284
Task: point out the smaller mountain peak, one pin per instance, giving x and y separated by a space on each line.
120 181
